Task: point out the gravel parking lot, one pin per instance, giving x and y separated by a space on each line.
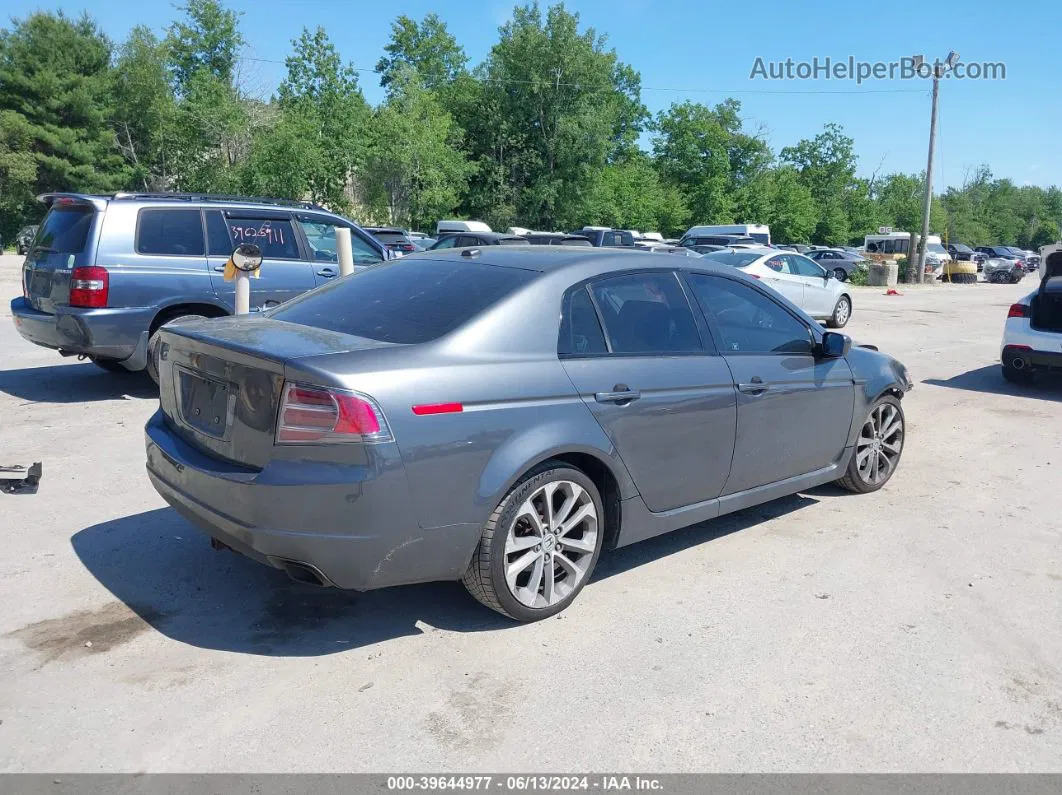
914 629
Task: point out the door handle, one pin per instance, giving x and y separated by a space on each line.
327 272
219 268
755 387
621 394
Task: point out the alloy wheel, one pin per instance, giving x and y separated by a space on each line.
550 544
880 444
843 311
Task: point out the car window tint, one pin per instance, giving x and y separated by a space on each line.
748 320
390 237
65 229
218 241
274 236
446 242
170 233
321 236
405 301
804 267
647 313
777 264
581 333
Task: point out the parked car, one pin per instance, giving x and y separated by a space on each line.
718 240
24 238
396 239
1000 252
104 273
604 237
460 226
1003 271
518 413
801 280
1032 335
838 261
706 249
556 239
468 239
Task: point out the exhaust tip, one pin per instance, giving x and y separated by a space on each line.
1018 363
305 573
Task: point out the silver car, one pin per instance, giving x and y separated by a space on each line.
502 415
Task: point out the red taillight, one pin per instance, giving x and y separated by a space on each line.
408 247
311 414
1018 310
89 287
754 275
438 408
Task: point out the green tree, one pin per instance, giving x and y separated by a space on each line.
555 106
827 166
207 39
144 109
692 150
631 195
18 172
55 86
321 98
414 173
428 47
792 213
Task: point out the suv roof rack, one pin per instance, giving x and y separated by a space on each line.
221 197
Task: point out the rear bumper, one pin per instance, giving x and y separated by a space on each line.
106 333
354 525
1033 360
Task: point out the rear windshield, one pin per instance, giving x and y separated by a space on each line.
735 259
65 229
408 301
390 237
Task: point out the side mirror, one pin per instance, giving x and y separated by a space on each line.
247 257
834 345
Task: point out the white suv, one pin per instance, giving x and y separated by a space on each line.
1032 336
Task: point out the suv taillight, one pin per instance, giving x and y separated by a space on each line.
1018 310
89 287
315 415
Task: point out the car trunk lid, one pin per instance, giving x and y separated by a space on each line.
64 241
221 381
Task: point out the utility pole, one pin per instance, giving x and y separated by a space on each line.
938 72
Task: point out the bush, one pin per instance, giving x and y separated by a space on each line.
901 270
858 277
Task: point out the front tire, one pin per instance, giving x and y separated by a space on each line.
540 545
842 313
878 448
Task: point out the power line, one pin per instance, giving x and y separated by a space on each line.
557 84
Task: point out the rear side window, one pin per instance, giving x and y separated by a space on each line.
581 333
274 236
647 313
407 301
65 229
170 233
218 242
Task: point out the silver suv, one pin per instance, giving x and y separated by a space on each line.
104 273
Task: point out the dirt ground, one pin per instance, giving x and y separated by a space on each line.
915 629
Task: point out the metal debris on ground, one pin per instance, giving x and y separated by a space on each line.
19 479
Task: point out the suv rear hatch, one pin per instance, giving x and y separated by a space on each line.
221 381
65 240
1046 313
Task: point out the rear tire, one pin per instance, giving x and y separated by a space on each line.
152 354
842 313
840 274
563 561
880 443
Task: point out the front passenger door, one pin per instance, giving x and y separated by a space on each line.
320 235
794 409
818 297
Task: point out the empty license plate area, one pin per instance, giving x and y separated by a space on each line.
205 403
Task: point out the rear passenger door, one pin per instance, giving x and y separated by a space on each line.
654 382
794 409
284 274
784 280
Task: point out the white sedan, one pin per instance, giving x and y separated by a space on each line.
804 282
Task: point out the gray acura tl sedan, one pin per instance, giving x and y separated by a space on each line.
502 415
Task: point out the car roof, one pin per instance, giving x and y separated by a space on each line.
589 261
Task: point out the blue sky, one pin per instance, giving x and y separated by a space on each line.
705 52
